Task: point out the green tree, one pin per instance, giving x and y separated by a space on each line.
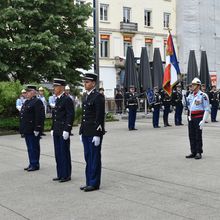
43 39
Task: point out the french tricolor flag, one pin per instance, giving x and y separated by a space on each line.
172 68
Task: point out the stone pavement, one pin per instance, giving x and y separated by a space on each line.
145 176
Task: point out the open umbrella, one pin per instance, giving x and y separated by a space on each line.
204 71
157 69
130 71
145 79
192 70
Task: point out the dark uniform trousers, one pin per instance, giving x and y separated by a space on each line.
178 114
156 115
195 135
214 111
32 117
132 117
92 124
92 155
166 112
62 156
33 148
63 117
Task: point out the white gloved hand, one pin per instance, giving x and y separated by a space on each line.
80 138
127 109
51 133
65 135
18 108
52 105
96 140
201 124
36 133
152 109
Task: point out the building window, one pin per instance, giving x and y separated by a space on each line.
164 49
104 46
103 12
80 2
149 46
147 18
166 20
126 14
127 43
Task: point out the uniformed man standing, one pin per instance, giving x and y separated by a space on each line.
166 102
131 103
32 117
156 108
92 131
198 105
63 118
214 102
177 99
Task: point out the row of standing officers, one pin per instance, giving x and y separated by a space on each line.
32 116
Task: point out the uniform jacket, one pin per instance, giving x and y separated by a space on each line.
131 100
166 99
32 116
63 115
93 114
177 98
157 100
214 98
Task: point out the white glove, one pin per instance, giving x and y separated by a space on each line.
52 105
96 140
162 107
201 124
152 109
18 108
80 138
36 133
65 135
127 109
51 133
204 119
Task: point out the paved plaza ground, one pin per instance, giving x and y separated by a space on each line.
145 176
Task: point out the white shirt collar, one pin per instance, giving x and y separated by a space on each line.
60 95
89 92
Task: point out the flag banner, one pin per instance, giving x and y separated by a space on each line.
172 68
150 96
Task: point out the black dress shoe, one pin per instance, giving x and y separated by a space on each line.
169 125
91 188
32 169
62 180
181 124
56 179
82 187
190 156
26 168
198 156
134 129
43 134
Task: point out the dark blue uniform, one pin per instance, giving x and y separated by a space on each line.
156 109
214 101
166 102
32 117
93 107
131 100
177 102
63 117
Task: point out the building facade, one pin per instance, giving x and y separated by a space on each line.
198 28
140 23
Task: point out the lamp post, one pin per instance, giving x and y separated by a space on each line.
96 37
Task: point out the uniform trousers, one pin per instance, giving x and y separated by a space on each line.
214 111
132 118
178 114
195 135
156 115
33 147
92 155
166 112
62 156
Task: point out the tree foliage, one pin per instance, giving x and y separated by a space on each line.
43 39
